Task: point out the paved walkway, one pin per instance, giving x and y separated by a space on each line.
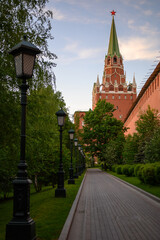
111 210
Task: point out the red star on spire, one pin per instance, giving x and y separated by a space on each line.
113 13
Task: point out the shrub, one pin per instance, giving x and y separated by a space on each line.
118 169
114 168
157 173
131 171
125 170
140 173
148 174
136 169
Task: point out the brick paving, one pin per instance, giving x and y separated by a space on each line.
108 209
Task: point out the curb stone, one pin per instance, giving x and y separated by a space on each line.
68 223
138 189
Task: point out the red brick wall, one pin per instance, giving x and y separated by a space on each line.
150 96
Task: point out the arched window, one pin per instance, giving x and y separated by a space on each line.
120 88
111 87
108 61
115 60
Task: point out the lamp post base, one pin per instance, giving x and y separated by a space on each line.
75 175
60 192
18 230
71 181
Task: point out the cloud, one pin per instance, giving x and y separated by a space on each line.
83 3
146 29
137 48
89 53
148 12
74 51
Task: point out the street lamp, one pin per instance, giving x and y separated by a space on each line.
22 226
60 191
79 148
71 136
76 145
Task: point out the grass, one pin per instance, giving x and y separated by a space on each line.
155 190
48 212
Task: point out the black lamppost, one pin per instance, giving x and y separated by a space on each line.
22 226
76 145
79 148
60 191
71 136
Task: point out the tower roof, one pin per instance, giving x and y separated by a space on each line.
113 41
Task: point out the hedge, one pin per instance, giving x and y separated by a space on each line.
148 173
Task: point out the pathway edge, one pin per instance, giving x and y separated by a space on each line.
68 223
153 197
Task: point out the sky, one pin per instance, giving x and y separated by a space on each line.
81 30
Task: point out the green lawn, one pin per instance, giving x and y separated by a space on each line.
155 190
48 212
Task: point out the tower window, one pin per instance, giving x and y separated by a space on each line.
120 88
115 60
108 61
106 96
111 88
113 97
119 97
125 97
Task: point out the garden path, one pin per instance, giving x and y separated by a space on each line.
108 209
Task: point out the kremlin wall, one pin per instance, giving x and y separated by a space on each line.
115 90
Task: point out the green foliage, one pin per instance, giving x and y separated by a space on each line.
119 169
152 148
157 173
131 170
147 123
43 137
140 173
42 141
48 212
19 18
136 169
113 168
148 174
146 126
100 127
125 170
113 152
144 146
130 148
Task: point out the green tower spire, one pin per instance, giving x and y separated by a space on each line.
113 41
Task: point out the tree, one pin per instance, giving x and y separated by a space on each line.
152 148
113 152
43 136
146 125
100 127
130 148
19 18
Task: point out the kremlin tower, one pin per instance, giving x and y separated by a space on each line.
114 88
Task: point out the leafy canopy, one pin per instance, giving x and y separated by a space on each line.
100 127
